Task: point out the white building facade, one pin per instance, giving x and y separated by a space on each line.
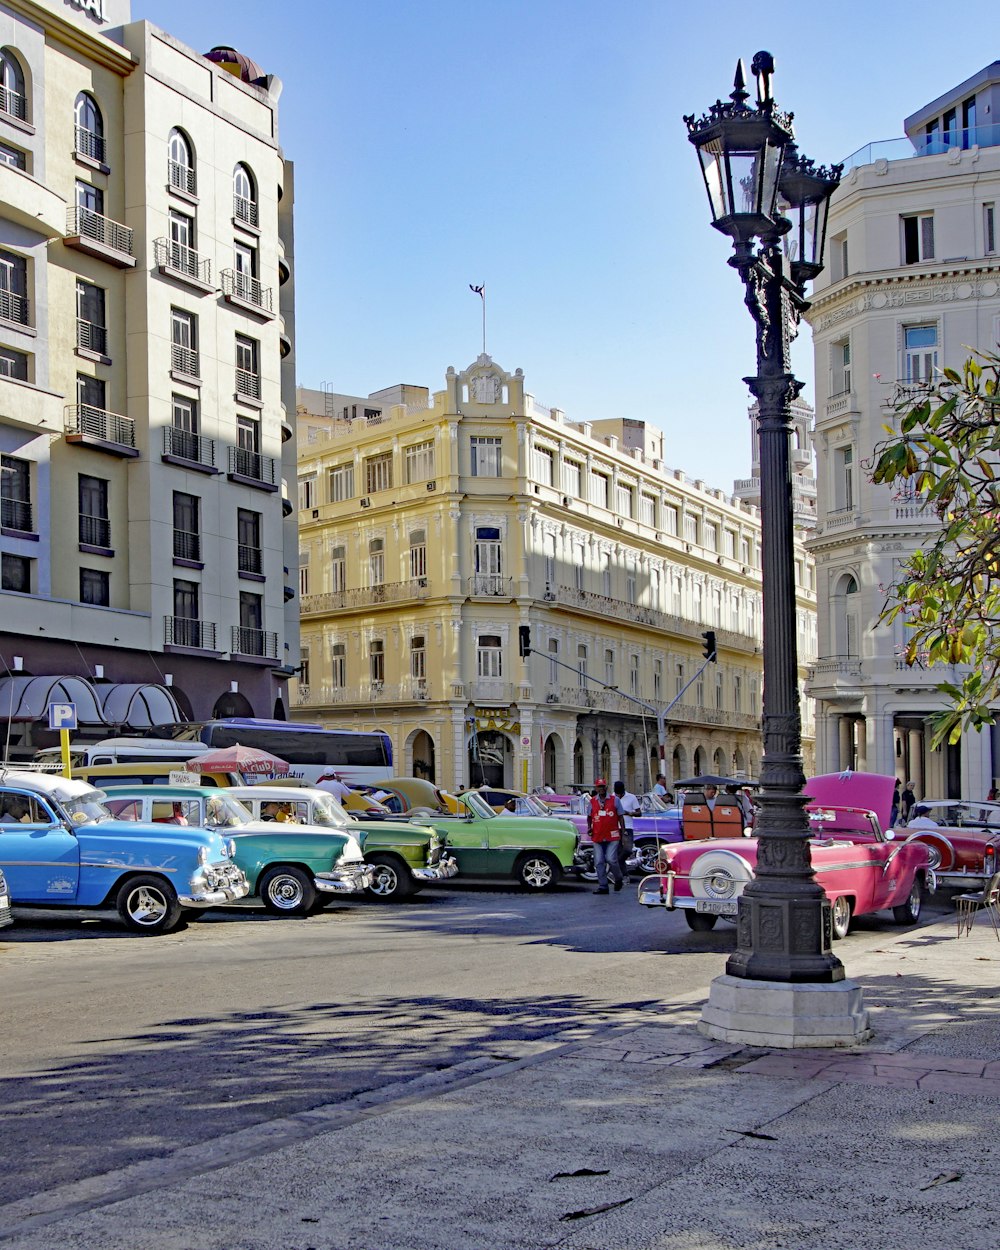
912 283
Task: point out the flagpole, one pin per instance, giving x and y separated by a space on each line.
481 292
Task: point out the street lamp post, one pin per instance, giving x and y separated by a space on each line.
773 204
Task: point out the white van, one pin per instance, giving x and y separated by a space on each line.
121 751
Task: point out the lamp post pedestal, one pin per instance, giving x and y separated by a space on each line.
780 1015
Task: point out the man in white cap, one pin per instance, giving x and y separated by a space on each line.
332 783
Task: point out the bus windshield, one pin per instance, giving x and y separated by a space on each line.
312 751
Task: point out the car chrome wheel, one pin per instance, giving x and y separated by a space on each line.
648 855
148 905
287 892
537 872
841 913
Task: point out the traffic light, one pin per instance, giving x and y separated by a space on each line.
708 650
524 641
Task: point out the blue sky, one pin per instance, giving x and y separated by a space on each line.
537 146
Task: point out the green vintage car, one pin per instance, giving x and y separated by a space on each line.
290 868
534 850
403 855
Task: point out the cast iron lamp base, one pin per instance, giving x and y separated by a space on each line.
778 1015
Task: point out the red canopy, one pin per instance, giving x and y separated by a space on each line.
238 759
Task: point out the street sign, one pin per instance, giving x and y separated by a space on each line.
62 716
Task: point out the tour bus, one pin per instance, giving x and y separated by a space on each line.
358 756
121 751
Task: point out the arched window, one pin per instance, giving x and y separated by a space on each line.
13 99
89 128
244 196
181 162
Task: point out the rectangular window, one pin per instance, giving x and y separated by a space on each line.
844 493
418 555
489 656
15 494
670 520
920 356
249 558
12 156
338 570
625 500
690 528
303 573
950 128
633 675
486 453
184 413
184 343
13 288
13 364
248 439
600 489
718 691
553 657
338 666
251 613
572 478
631 583
307 492
95 587
376 662
419 461
304 666
376 562
657 681
418 660
95 525
186 608
839 266
15 573
579 567
187 526
247 367
609 667
91 331
932 137
341 483
581 664
737 693
678 678
543 466
840 366
378 472
729 544
969 135
918 237
647 510
989 229
711 536
488 555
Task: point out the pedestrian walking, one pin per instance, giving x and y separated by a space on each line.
894 814
604 824
629 807
907 800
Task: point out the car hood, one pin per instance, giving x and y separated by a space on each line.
850 789
189 837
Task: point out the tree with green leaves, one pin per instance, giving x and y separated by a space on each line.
948 590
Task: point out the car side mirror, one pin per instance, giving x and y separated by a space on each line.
889 835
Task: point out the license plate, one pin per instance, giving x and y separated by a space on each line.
716 907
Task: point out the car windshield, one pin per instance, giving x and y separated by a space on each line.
536 807
87 808
477 805
327 811
222 812
653 803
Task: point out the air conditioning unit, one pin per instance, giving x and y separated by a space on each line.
366 502
315 513
565 501
432 485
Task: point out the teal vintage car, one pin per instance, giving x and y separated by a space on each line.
291 868
534 850
403 855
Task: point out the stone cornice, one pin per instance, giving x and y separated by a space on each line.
95 47
897 288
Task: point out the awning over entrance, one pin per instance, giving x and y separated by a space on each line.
27 698
138 705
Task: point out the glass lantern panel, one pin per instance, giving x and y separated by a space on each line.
773 154
744 172
711 157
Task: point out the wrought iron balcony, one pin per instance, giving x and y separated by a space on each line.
187 545
182 177
245 287
414 689
185 360
249 559
185 631
13 103
95 531
91 337
89 143
248 384
251 464
90 231
15 514
181 261
249 641
490 586
188 446
365 596
622 609
86 422
245 210
13 307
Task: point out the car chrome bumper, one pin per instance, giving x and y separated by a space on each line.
346 880
216 898
447 866
5 914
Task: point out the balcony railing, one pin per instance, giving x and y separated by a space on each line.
253 465
13 307
187 545
91 337
248 384
365 596
185 360
186 631
188 446
179 259
88 143
90 225
245 210
13 103
245 287
366 692
490 586
15 514
249 559
98 423
835 666
182 177
249 641
95 531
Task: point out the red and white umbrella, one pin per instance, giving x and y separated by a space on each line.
238 759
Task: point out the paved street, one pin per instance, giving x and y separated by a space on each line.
119 1049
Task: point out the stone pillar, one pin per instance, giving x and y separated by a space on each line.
915 744
845 744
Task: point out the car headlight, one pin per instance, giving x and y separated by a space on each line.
231 847
204 855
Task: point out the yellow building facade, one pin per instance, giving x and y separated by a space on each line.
433 533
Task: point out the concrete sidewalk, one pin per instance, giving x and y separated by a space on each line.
640 1136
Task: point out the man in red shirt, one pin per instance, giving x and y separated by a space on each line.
605 823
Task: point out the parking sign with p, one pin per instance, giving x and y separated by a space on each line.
62 716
